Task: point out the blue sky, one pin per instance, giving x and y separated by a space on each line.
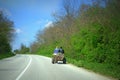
29 16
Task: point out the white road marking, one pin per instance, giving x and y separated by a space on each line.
24 69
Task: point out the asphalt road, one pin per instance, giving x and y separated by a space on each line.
34 67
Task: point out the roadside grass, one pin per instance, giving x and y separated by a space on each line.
104 69
6 55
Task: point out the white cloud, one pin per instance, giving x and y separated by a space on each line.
49 24
17 30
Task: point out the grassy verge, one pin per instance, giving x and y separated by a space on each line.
5 55
105 69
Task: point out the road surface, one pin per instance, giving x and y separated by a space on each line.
34 67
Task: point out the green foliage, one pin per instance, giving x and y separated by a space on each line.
2 56
16 51
22 50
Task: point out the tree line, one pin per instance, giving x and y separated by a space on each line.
23 50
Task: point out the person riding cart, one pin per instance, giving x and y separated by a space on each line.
58 55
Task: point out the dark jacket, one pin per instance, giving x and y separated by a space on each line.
61 50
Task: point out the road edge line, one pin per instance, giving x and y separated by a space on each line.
24 69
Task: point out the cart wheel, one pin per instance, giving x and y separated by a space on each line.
52 60
64 60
